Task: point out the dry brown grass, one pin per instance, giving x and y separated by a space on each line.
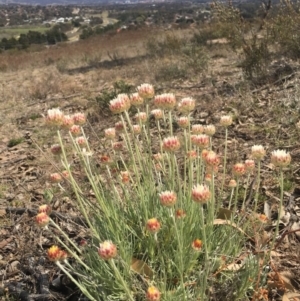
126 43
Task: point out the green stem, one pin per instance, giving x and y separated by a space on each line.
279 213
225 161
171 123
245 194
181 269
280 203
257 188
74 184
231 196
121 279
198 169
65 236
236 194
82 288
212 205
185 163
205 244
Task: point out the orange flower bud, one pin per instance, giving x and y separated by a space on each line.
153 225
197 244
42 219
107 250
153 294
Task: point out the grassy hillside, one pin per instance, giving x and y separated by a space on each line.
245 246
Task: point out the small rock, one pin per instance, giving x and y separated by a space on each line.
203 114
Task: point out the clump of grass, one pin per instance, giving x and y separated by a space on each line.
170 71
153 226
15 141
35 116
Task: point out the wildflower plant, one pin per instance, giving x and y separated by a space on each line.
153 231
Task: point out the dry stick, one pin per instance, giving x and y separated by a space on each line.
284 235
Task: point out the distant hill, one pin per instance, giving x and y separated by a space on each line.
86 2
58 2
78 2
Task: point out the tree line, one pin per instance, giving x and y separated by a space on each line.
50 37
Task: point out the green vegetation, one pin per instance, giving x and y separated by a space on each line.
155 231
183 55
10 32
15 141
88 31
107 95
50 36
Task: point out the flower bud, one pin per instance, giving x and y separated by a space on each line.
136 99
110 133
146 91
183 122
153 225
238 169
54 117
186 105
107 250
120 104
45 209
56 149
197 129
81 140
210 130
258 152
200 194
171 144
67 122
141 117
232 183
197 244
75 129
249 165
55 177
226 120
280 158
180 213
168 198
166 101
157 113
42 219
152 294
79 118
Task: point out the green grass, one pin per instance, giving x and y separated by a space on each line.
15 31
15 141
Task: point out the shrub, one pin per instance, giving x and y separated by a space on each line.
185 56
211 32
195 57
119 87
156 225
169 45
170 71
257 58
242 34
284 27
